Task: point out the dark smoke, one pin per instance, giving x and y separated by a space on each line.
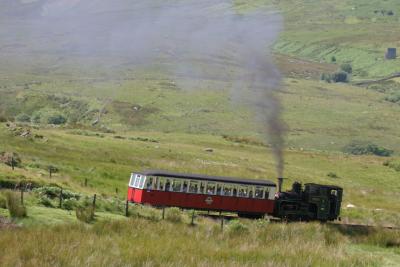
189 40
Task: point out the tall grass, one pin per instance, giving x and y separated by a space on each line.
14 206
143 242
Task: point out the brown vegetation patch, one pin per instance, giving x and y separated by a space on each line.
132 114
299 68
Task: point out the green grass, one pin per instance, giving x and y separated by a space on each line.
164 243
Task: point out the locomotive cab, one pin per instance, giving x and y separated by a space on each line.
314 202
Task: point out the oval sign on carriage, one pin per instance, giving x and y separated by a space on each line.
209 200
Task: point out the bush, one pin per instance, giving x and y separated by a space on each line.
333 59
3 202
56 119
332 175
85 214
394 97
236 227
70 204
346 67
340 77
46 202
326 77
14 206
392 164
173 215
23 118
364 148
36 116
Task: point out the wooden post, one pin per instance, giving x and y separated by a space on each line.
22 194
12 163
127 208
50 171
116 190
61 198
222 220
85 182
163 213
94 202
192 222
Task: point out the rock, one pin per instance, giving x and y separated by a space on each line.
350 206
209 150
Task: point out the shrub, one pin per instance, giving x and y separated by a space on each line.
326 77
365 148
23 118
70 204
3 202
394 97
332 175
14 206
36 116
333 59
43 200
392 164
85 214
340 77
237 227
173 215
346 67
56 119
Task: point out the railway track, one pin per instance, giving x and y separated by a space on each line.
361 227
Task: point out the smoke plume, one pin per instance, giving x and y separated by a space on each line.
189 40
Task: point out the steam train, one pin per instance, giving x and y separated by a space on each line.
246 197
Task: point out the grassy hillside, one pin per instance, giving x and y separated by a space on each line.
351 31
120 116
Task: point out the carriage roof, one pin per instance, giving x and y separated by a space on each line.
201 177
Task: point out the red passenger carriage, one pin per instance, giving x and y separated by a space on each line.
200 192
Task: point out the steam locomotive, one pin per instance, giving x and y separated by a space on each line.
246 197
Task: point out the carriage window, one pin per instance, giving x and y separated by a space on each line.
211 188
149 183
259 192
137 181
234 191
142 181
161 184
185 186
251 191
242 191
227 190
168 185
267 193
193 187
219 189
202 187
177 185
132 180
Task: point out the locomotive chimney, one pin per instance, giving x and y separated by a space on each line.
280 182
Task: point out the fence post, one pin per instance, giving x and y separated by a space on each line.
61 198
222 221
94 202
127 208
163 213
192 222
12 163
85 182
22 194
